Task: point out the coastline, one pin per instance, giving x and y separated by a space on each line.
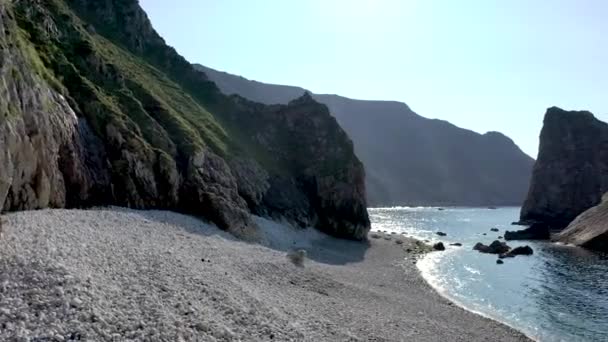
445 294
160 275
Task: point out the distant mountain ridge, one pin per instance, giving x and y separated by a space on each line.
409 159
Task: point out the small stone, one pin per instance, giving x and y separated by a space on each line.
500 262
76 302
494 229
375 236
399 242
441 233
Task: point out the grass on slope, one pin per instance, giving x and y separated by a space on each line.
110 85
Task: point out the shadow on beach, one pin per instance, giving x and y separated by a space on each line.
279 236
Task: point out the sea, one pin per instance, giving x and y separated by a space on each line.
560 293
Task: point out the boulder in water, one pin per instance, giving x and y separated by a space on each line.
500 262
496 247
439 246
521 250
458 244
494 229
441 233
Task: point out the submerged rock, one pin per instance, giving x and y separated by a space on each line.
458 244
441 233
537 231
493 229
500 262
521 250
496 247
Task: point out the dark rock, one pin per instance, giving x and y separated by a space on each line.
484 234
570 175
458 244
500 262
521 250
493 208
441 233
537 231
500 237
80 130
440 209
496 247
494 229
589 229
439 246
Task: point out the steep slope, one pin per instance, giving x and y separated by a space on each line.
589 229
410 159
97 109
571 172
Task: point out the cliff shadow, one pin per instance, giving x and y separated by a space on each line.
279 236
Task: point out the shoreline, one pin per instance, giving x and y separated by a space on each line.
159 275
443 293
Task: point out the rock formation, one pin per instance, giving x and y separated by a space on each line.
536 231
409 159
496 247
571 172
589 229
520 250
96 109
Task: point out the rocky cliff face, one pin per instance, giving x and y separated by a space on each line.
96 109
410 159
589 229
571 172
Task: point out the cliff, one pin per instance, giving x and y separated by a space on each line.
571 172
96 109
409 159
589 229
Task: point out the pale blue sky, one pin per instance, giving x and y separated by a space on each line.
483 65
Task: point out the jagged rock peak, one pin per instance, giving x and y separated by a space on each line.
95 109
571 172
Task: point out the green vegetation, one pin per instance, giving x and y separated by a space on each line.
111 86
125 79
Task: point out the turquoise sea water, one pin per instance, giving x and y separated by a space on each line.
558 294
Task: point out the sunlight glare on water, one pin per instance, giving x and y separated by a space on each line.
558 294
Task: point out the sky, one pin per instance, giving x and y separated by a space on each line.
484 65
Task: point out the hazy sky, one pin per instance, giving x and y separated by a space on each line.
483 65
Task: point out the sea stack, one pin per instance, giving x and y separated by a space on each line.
571 172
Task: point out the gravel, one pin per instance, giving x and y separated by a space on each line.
114 274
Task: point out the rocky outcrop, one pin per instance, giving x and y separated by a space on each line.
571 172
536 231
434 171
95 109
589 229
496 247
520 250
49 156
